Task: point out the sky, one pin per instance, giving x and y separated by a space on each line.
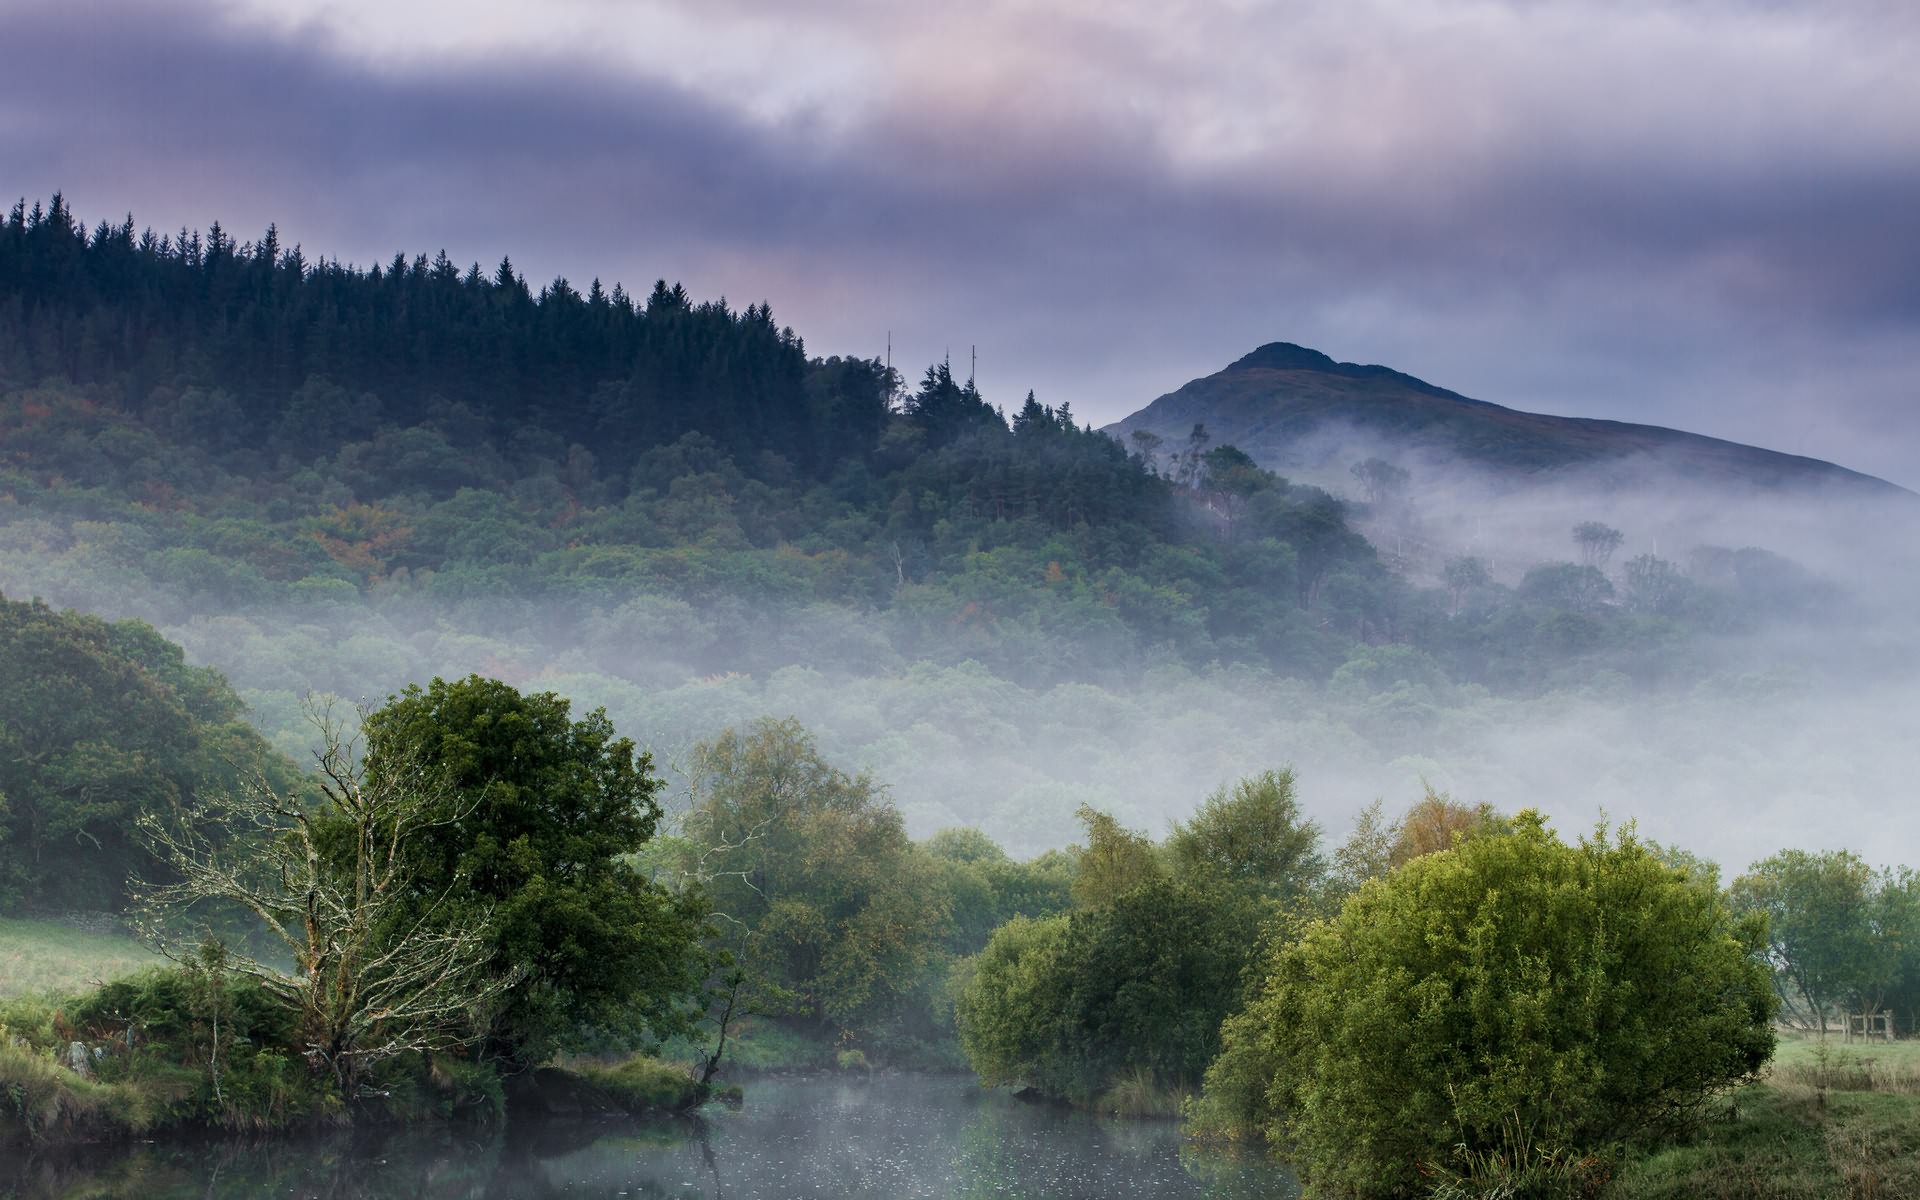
1700 213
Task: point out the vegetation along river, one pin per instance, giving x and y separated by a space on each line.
891 1136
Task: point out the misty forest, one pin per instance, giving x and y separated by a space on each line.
436 701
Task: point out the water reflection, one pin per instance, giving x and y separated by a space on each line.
891 1137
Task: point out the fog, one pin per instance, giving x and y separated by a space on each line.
1796 727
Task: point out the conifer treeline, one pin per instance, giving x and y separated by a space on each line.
248 323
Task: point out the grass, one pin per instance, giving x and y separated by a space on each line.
1138 1095
762 1045
44 957
46 1102
641 1084
1832 1122
1851 1067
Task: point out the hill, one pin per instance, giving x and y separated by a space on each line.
1297 411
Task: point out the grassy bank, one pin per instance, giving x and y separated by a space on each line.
45 957
44 1103
1832 1122
640 1085
164 1050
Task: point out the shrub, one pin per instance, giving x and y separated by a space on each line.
1513 1007
45 1101
852 1060
1138 986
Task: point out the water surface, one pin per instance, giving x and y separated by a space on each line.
891 1137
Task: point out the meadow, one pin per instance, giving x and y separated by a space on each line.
45 957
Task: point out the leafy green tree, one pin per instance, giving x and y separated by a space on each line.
1114 861
1654 585
1232 479
1897 920
1146 446
551 809
1251 838
1514 1001
812 878
1011 1003
1071 1004
1575 587
1821 938
986 888
100 723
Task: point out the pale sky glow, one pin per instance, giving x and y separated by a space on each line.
1697 213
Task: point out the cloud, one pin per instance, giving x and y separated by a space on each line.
1698 214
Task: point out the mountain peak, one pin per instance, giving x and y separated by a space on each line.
1302 412
1285 356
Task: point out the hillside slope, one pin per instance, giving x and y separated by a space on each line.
1298 411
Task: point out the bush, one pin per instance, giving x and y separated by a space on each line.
1137 988
1510 1009
852 1060
44 1101
215 1045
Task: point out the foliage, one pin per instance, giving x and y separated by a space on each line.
1012 1003
1510 992
1251 837
333 881
1073 1004
539 815
48 1102
1114 861
986 887
814 884
1839 932
101 722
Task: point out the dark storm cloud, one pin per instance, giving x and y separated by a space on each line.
1593 232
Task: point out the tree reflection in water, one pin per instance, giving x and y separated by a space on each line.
890 1137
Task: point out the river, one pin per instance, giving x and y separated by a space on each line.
894 1136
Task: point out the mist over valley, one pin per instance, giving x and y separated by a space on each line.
1001 615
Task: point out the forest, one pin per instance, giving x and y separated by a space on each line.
318 478
492 699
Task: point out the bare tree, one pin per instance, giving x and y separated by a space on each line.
328 877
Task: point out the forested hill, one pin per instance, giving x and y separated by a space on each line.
257 429
321 478
191 426
1295 409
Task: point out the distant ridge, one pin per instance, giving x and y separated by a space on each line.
1295 409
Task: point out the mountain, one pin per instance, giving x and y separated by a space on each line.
1297 411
